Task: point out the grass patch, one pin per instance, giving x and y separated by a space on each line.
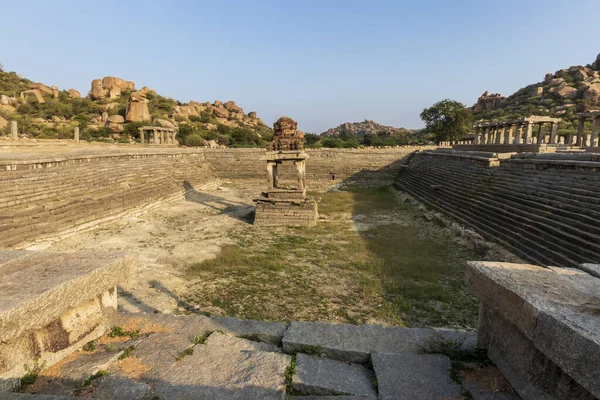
31 373
90 346
126 352
185 353
289 375
201 339
312 350
93 377
371 259
117 331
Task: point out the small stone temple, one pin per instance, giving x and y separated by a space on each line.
281 205
157 135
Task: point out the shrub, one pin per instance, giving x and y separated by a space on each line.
194 140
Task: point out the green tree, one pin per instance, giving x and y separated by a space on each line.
448 120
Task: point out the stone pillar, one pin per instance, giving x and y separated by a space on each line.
162 137
508 134
554 133
14 130
76 134
540 134
528 133
141 136
561 140
271 170
301 168
580 131
155 136
595 129
499 134
518 133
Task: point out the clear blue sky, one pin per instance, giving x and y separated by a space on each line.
319 62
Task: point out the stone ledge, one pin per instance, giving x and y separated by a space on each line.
51 304
542 322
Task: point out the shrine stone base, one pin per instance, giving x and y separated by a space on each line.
286 213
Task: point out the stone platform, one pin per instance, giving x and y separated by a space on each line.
541 327
196 357
292 212
51 304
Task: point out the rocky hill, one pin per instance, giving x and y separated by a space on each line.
561 94
367 127
114 109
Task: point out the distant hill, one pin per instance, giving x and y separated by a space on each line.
113 110
561 94
367 127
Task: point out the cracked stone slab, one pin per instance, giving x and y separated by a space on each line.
414 377
223 369
159 351
118 387
195 325
352 343
480 393
467 339
322 376
79 369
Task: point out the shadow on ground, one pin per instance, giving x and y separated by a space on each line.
240 211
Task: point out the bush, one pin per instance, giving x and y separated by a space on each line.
334 143
194 140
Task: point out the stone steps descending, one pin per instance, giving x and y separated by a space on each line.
176 357
545 222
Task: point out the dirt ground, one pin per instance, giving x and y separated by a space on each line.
374 257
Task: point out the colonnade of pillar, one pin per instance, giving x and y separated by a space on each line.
158 135
532 130
583 138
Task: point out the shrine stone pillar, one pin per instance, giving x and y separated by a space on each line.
528 133
508 134
595 129
540 133
580 131
554 133
499 134
14 130
76 134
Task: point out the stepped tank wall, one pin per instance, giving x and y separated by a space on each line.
544 208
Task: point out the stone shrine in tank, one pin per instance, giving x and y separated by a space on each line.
283 205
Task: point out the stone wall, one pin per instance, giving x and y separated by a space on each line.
543 207
43 199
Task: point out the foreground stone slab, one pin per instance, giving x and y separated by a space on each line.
114 387
220 370
51 304
541 327
352 343
322 376
414 377
195 325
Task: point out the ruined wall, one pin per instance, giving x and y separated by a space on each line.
543 207
365 167
41 199
58 197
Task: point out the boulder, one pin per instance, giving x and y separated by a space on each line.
54 92
115 86
97 91
556 81
110 106
548 77
165 123
488 101
581 74
234 108
55 118
104 116
74 94
567 91
137 108
116 119
252 114
146 90
5 100
212 144
221 112
596 64
41 88
592 93
538 91
218 103
32 94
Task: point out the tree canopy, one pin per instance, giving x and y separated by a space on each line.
448 120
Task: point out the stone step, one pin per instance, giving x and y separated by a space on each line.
322 376
352 343
414 377
221 369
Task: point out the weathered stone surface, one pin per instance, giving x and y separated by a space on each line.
592 269
88 364
137 108
26 396
271 332
41 88
117 387
322 376
481 393
467 339
221 112
33 94
74 94
414 377
218 370
116 119
551 308
353 343
159 351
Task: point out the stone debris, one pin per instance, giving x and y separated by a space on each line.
353 343
414 377
323 376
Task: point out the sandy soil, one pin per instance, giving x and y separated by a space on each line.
166 241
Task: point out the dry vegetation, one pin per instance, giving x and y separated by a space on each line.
371 259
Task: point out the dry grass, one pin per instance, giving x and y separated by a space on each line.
369 260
